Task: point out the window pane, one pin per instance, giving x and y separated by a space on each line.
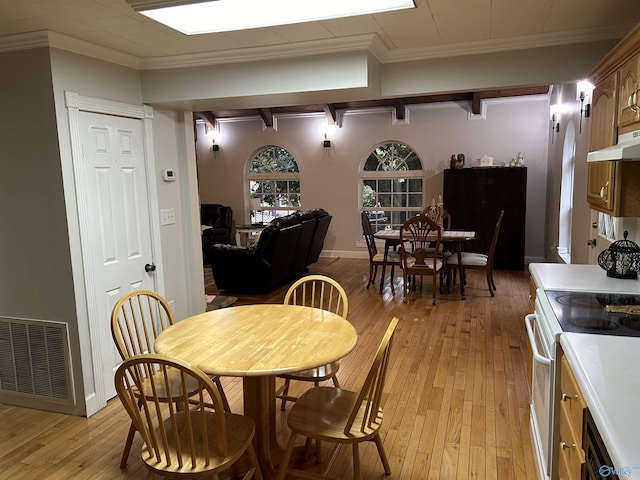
414 201
384 185
415 185
413 162
384 200
371 165
400 185
399 200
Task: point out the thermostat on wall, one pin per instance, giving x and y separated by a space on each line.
168 175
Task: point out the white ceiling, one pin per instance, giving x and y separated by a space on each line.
435 28
110 30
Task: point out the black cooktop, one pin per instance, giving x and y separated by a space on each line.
586 312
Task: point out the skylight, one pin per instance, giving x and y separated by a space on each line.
229 15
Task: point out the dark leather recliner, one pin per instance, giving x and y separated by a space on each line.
220 220
287 246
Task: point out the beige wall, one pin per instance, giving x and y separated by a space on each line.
36 279
329 179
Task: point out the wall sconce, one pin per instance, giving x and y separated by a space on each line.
213 134
584 90
326 130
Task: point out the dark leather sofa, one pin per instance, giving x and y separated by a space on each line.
220 220
287 246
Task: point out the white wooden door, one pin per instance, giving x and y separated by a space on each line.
113 164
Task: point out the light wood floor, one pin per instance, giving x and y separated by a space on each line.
456 396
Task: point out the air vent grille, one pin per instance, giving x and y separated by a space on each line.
34 359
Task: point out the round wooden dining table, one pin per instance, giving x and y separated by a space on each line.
258 342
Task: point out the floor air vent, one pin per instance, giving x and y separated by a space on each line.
34 359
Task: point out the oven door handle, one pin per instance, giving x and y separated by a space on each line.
528 322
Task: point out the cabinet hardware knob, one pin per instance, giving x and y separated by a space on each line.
566 396
565 445
592 242
604 191
632 102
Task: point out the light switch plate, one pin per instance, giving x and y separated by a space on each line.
167 216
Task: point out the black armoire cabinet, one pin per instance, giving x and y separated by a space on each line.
474 197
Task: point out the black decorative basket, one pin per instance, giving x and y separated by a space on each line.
621 259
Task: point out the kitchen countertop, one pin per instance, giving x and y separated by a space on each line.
606 369
585 278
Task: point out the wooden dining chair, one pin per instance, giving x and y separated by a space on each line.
377 259
320 292
424 235
342 416
481 261
136 320
191 442
446 217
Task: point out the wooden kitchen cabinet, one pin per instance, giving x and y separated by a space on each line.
572 410
474 197
628 97
604 107
612 187
600 185
616 78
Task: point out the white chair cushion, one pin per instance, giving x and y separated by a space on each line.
471 259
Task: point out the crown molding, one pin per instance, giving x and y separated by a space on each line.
24 41
524 42
256 54
70 44
46 38
370 43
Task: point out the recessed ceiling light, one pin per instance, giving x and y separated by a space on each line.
197 16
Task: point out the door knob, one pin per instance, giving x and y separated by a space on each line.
149 267
591 243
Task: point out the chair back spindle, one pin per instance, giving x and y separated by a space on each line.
369 403
318 291
137 319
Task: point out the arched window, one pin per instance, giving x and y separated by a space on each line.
274 184
566 194
391 184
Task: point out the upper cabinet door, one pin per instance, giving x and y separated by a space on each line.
601 185
628 111
603 117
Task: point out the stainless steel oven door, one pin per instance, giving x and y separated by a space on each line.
541 392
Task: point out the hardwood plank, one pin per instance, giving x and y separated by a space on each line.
456 397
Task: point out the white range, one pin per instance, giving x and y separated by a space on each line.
607 368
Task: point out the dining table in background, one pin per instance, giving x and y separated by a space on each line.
453 238
258 342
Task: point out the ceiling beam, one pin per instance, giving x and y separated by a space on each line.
399 106
331 113
267 116
209 118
